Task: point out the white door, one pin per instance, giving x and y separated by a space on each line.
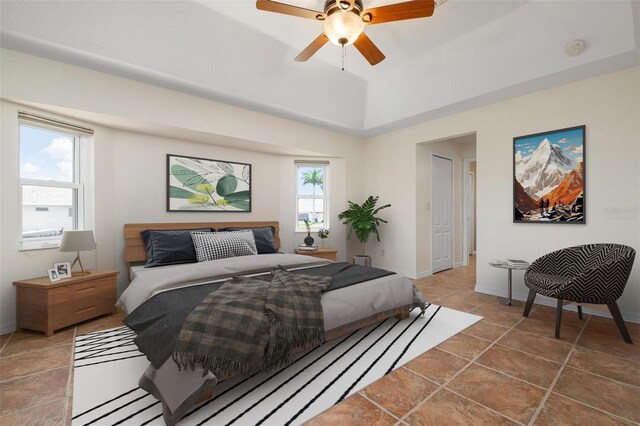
442 211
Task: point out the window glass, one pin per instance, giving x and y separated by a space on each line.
311 182
46 155
51 193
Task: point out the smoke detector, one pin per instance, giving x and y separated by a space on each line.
574 48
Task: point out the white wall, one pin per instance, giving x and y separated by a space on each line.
130 175
609 106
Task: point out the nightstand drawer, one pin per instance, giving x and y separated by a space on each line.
86 290
72 313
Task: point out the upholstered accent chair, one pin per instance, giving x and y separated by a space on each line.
592 273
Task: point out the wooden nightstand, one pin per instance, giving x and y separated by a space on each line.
323 253
46 306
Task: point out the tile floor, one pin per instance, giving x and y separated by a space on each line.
505 369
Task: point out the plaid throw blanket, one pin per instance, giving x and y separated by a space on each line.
252 325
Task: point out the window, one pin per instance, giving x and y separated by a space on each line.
311 195
51 186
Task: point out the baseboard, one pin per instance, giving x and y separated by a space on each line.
7 327
458 265
423 274
547 301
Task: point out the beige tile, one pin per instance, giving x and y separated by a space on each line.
353 411
464 346
548 329
551 349
511 397
436 365
4 339
431 292
27 363
602 364
485 330
613 345
526 367
102 323
26 341
569 318
496 313
51 413
399 391
447 408
608 327
558 410
20 394
605 394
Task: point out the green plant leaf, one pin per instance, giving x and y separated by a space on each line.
187 176
362 219
239 196
226 185
175 192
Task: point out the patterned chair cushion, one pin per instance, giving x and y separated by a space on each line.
592 273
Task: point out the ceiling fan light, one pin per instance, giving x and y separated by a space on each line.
343 28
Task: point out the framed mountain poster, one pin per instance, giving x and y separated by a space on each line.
203 185
549 177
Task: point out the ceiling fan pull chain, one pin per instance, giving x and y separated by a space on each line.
344 53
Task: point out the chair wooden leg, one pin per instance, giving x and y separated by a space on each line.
617 316
530 299
580 313
558 318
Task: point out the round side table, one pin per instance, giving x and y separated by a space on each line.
509 301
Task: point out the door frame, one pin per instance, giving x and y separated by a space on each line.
453 225
466 207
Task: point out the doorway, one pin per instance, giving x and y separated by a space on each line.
442 214
469 209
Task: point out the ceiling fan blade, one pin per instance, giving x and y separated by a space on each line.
369 50
310 50
287 9
399 12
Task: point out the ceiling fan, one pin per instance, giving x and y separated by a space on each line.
343 22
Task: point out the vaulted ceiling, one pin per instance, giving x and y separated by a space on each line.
468 54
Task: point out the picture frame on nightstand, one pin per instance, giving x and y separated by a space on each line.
53 275
63 269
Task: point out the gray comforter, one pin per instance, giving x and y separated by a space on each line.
179 390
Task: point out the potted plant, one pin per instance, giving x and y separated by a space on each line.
362 220
323 234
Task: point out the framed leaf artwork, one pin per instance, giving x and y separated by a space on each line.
204 185
549 177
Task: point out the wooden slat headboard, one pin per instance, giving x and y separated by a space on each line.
134 250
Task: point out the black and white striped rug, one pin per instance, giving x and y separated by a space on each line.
108 366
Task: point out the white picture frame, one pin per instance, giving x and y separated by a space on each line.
53 275
63 269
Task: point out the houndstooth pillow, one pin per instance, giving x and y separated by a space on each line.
220 245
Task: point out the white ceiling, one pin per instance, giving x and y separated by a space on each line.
468 54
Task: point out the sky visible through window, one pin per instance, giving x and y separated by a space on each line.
45 155
307 189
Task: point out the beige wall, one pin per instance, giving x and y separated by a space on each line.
130 166
608 105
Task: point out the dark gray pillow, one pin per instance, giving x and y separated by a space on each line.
263 236
170 247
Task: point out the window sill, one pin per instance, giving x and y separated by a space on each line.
39 246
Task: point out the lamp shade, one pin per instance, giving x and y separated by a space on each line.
343 28
77 241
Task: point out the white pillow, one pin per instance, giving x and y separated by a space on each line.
220 245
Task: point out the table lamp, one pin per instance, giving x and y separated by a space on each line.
77 241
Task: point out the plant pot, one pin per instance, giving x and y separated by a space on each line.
361 259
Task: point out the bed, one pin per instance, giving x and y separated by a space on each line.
159 298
